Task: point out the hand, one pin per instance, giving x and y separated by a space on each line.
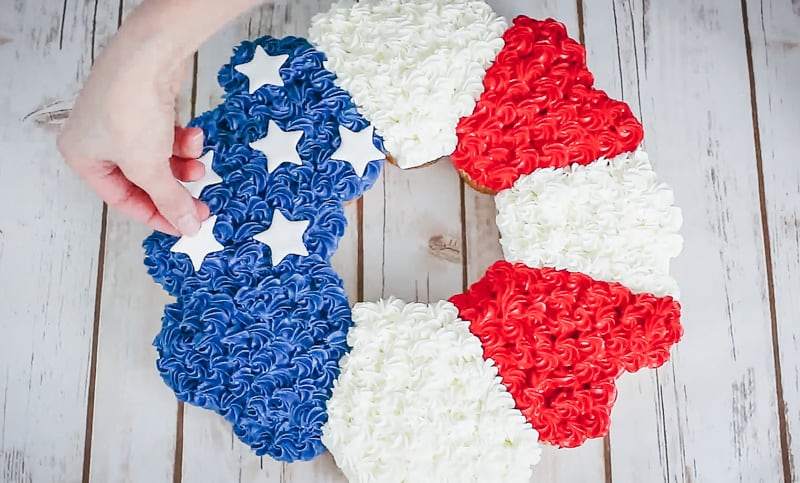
122 140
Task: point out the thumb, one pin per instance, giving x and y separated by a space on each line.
171 199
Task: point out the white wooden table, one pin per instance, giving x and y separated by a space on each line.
715 83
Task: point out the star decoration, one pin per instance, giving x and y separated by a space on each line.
279 146
199 246
208 179
357 149
284 237
263 69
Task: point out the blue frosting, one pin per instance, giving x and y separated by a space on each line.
256 343
263 355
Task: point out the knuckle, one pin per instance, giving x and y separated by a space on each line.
121 198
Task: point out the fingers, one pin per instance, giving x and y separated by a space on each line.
150 193
186 169
170 198
128 199
188 142
202 210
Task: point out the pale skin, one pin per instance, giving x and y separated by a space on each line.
122 138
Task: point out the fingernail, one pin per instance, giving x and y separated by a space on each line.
197 136
188 225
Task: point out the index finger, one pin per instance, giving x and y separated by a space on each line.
129 199
170 197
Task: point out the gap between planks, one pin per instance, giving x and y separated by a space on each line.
762 200
88 434
87 444
608 475
177 470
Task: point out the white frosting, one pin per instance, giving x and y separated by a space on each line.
417 402
263 69
199 245
413 67
278 146
357 149
210 177
612 220
284 237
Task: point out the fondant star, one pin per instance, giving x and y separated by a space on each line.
284 237
278 146
208 179
357 149
263 69
199 246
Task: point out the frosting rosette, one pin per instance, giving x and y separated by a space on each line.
417 401
561 339
263 356
612 220
413 67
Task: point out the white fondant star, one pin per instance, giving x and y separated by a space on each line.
208 179
199 245
357 149
279 146
263 69
284 237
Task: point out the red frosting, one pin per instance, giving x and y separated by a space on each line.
561 339
539 109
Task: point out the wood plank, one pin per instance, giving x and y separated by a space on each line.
585 464
134 425
774 29
322 470
133 435
49 244
412 234
709 415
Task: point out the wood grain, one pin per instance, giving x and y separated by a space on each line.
709 415
133 435
49 244
774 34
133 427
412 234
